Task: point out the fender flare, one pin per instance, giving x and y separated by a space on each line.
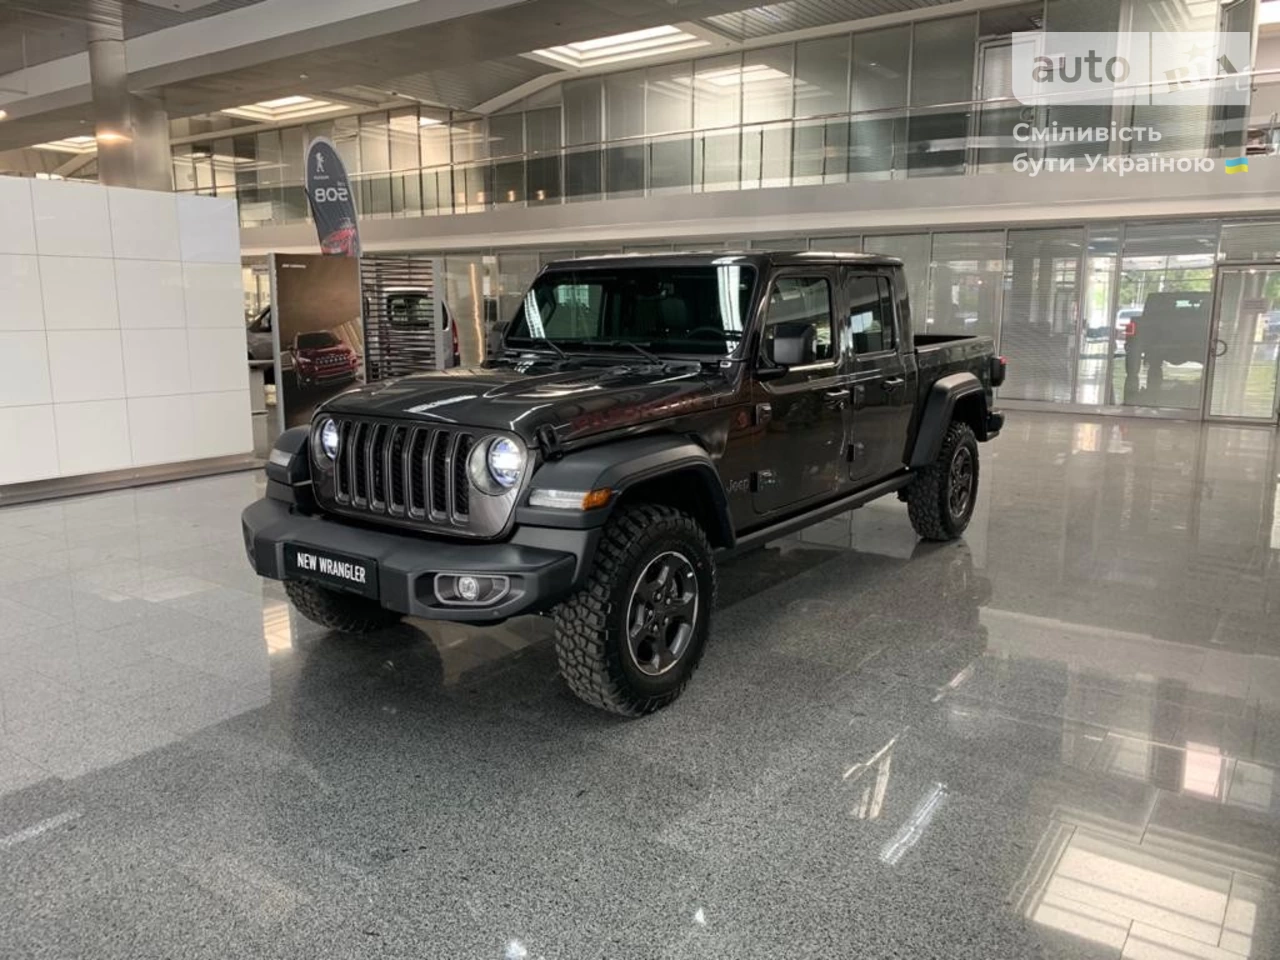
620 466
939 410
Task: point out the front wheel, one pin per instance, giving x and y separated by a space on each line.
630 639
940 499
339 611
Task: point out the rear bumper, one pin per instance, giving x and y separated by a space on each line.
995 423
542 565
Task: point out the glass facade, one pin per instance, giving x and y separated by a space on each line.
926 99
1068 305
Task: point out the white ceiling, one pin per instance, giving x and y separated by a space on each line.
460 62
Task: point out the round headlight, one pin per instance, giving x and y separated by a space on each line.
506 462
329 439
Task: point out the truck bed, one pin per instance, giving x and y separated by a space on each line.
938 354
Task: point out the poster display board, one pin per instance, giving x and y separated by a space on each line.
319 336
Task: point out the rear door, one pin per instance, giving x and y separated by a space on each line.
799 456
883 391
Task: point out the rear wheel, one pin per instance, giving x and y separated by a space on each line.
339 611
630 639
940 499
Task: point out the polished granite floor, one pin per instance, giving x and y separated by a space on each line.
1057 738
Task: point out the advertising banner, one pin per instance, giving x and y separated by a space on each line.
319 336
333 207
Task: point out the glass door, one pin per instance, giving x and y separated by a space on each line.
1244 343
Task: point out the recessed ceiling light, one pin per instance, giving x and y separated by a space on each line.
282 109
652 42
4 114
429 122
280 102
70 145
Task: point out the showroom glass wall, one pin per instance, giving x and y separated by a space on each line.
929 98
1062 302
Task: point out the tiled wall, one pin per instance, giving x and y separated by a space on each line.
122 340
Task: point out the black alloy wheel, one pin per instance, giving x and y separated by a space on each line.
663 613
960 487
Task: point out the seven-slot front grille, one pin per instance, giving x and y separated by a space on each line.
404 470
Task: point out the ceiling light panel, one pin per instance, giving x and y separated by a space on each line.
620 47
284 109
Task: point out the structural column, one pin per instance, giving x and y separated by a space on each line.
132 131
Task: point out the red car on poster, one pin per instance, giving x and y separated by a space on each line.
342 242
322 358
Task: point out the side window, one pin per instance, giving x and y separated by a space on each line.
802 300
871 314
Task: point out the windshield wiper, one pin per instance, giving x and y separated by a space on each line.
544 342
631 345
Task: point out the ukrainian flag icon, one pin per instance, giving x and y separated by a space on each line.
1238 165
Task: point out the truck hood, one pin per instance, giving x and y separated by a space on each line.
523 398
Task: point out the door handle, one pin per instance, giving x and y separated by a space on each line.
841 393
893 383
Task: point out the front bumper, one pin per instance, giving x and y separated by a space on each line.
543 565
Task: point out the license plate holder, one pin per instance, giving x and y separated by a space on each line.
341 571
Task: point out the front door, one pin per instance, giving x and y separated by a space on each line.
1243 345
883 392
800 450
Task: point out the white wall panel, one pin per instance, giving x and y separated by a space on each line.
19 233
79 293
210 229
71 219
85 365
100 367
30 450
144 224
161 430
222 423
21 306
214 295
92 437
219 360
156 363
24 370
150 294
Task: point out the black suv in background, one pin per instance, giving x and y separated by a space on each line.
646 415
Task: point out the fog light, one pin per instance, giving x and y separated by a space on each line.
471 589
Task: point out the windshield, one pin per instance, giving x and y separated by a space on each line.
682 310
316 341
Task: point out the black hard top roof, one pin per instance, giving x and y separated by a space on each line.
757 258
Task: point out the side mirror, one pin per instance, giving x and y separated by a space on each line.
792 345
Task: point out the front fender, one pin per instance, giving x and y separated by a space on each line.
620 466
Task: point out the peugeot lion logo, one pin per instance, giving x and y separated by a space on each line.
319 163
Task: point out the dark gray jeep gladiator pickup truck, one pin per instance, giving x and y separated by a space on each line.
645 416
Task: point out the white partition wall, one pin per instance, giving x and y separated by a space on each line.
122 339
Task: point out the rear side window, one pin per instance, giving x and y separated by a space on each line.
803 300
871 314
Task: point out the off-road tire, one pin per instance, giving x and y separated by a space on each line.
344 612
928 495
590 626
